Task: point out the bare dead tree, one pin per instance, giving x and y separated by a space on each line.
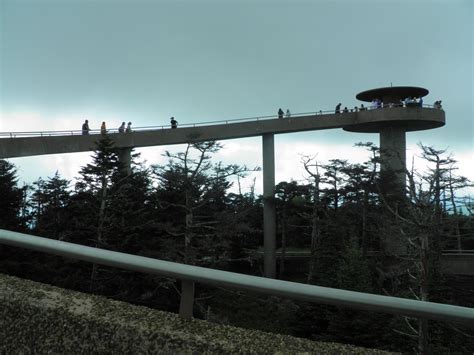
421 225
311 167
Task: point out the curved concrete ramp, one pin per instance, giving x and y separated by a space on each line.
410 119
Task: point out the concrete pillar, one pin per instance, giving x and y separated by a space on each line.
393 174
269 214
125 157
393 153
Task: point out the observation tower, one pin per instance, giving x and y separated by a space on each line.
392 120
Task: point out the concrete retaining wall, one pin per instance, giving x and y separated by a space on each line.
38 318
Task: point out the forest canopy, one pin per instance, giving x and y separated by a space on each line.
356 235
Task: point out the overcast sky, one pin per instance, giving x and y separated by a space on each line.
144 61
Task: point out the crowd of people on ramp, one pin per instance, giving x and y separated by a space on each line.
378 104
103 128
122 129
375 104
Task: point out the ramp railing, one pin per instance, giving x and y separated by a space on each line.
189 274
78 132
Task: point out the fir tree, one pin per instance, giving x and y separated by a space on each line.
50 202
12 202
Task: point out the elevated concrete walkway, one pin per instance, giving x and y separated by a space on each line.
411 119
391 123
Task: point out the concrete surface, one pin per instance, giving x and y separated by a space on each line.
410 119
37 318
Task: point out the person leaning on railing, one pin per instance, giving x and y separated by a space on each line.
121 129
174 123
280 113
85 128
413 102
103 129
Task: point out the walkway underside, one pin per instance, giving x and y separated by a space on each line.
411 119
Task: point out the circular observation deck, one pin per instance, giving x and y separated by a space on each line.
406 118
392 94
393 113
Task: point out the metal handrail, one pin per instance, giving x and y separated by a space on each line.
190 274
199 124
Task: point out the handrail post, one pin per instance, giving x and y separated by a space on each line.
186 303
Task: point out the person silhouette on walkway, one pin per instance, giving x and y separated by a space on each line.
288 113
103 129
345 110
122 128
338 108
280 113
378 102
85 128
129 127
174 123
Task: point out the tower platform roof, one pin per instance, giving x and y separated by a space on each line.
392 94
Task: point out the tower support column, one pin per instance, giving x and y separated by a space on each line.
125 157
393 175
393 154
269 214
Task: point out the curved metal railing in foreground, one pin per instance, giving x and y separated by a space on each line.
190 274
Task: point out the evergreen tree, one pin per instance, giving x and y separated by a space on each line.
12 201
131 212
92 205
334 178
191 194
244 223
290 197
93 191
50 202
350 326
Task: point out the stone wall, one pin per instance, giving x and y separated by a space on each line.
38 318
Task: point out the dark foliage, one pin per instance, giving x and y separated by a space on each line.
12 203
185 211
